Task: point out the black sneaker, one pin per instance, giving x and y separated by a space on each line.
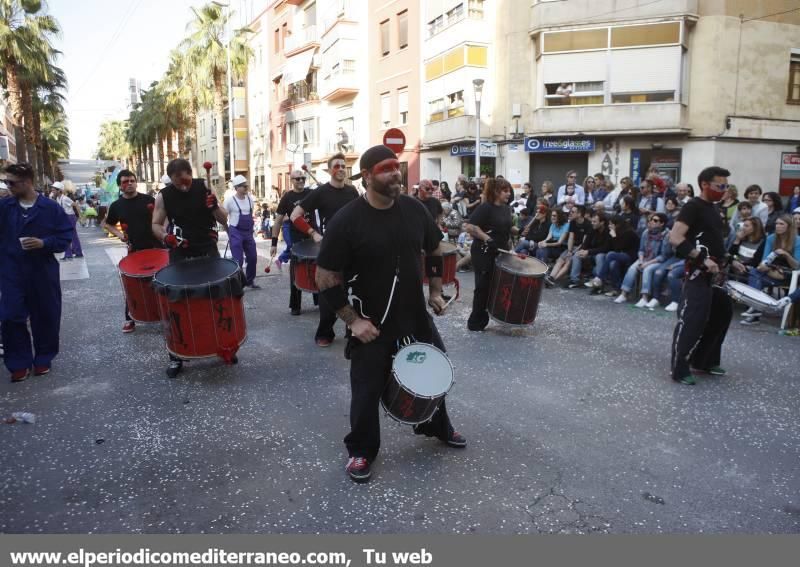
174 368
456 440
296 312
358 469
574 285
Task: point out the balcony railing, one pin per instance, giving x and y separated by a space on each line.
300 39
342 82
340 10
332 144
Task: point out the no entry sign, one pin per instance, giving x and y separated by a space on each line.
395 140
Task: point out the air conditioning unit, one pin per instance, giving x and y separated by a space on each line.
4 152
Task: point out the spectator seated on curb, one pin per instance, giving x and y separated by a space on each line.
623 250
579 227
536 231
654 248
747 249
556 241
781 256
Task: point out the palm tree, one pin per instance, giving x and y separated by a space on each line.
188 91
206 49
48 99
25 54
55 141
113 143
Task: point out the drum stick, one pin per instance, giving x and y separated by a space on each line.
225 254
269 264
304 167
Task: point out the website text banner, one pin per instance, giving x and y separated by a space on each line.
395 551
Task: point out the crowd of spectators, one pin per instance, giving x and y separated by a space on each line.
614 240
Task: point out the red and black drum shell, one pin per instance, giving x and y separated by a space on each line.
136 271
201 306
304 265
516 289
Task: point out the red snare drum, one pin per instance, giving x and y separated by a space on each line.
516 289
200 301
449 260
304 265
136 272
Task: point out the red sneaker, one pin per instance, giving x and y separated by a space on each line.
40 370
323 342
129 327
20 375
358 469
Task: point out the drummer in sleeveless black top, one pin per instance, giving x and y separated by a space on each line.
373 245
134 213
490 228
193 212
327 199
705 309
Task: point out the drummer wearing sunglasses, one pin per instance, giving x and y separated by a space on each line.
327 199
193 212
705 310
374 245
133 211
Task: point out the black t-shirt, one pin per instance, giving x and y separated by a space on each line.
287 204
369 246
434 207
136 214
327 199
187 211
705 226
494 220
580 230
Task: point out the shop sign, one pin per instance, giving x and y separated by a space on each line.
560 145
790 172
488 149
636 167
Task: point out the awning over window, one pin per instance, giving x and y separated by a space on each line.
297 67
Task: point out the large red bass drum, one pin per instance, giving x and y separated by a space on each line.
201 307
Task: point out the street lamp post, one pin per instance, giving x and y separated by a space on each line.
228 38
478 86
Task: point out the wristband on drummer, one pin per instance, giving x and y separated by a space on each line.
274 241
683 249
302 225
335 297
433 266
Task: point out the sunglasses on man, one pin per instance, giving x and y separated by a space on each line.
298 178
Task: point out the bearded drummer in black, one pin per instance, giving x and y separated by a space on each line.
193 213
373 246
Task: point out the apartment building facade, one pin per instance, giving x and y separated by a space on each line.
459 46
395 76
258 99
618 87
207 138
318 72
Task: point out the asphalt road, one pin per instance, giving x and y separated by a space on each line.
573 425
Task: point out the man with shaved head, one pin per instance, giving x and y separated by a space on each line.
425 195
291 234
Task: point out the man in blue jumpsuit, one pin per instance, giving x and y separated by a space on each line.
32 229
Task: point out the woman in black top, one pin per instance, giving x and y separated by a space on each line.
623 252
774 209
490 227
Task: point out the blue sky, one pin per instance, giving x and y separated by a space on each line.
106 42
